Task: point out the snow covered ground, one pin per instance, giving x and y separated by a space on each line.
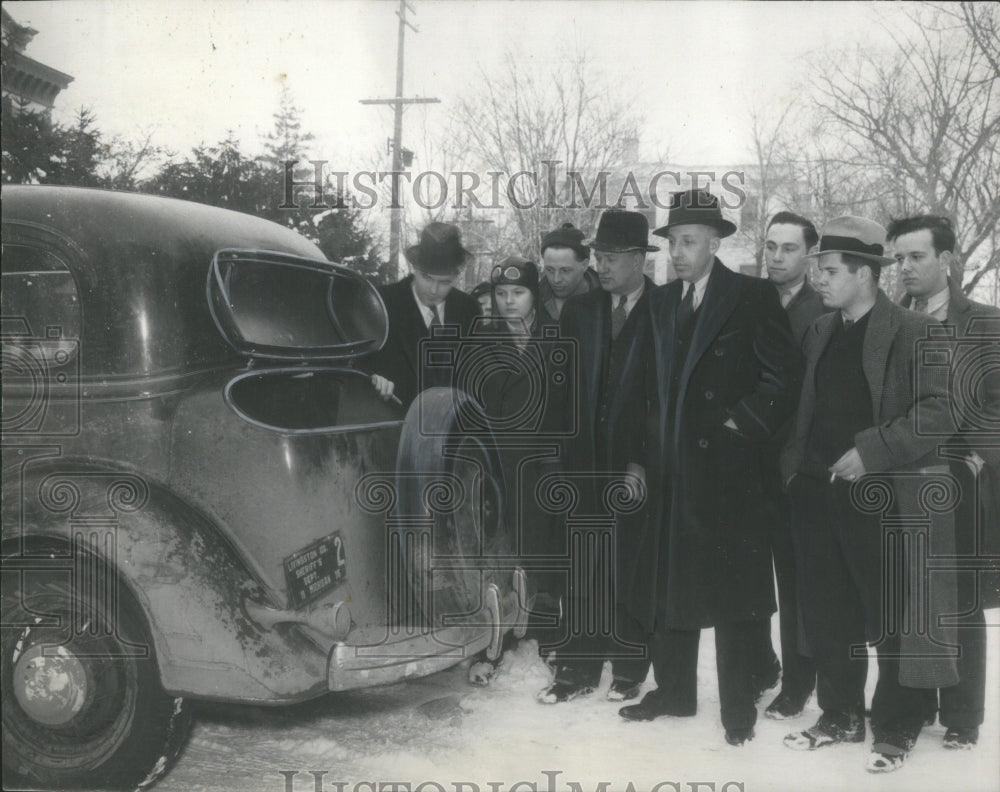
443 734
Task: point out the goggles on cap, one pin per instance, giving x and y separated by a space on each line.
508 273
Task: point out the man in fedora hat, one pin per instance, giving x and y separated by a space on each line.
566 268
855 455
425 298
611 328
723 376
924 247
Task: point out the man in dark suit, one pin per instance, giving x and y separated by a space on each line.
789 238
424 299
610 327
857 415
924 247
723 374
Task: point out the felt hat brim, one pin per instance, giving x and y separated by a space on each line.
604 247
883 261
724 227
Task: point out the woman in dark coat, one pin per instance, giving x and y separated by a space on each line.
515 365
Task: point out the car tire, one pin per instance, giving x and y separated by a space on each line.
94 713
450 487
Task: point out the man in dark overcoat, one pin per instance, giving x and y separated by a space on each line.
924 247
723 376
861 465
610 326
427 297
788 240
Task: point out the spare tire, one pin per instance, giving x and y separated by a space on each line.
449 516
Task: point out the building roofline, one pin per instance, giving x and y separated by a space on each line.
41 70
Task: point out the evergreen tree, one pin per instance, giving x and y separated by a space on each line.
219 175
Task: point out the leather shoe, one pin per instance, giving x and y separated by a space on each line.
785 706
961 739
736 737
623 690
653 706
830 729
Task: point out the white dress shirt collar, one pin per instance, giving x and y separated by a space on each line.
937 304
425 310
787 295
630 299
699 289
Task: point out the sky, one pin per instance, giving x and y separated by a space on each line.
190 71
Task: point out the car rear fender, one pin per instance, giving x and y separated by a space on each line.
118 528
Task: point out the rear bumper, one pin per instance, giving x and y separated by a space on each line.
403 657
388 657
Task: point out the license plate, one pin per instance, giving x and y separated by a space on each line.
312 571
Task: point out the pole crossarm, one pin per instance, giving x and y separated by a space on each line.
401 100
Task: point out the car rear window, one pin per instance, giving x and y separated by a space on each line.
39 302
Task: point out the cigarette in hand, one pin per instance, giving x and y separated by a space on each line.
833 477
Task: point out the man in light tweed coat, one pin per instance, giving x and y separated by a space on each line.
866 487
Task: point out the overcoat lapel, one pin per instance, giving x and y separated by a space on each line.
635 340
722 294
413 323
595 337
878 341
807 401
663 335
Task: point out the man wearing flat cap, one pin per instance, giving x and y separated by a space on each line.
860 466
566 268
426 298
611 328
722 376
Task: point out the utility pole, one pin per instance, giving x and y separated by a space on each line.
396 218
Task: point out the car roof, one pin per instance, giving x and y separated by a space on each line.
86 215
140 263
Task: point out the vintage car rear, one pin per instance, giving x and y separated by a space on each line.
203 495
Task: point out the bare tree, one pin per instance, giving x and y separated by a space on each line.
554 137
921 125
774 176
129 162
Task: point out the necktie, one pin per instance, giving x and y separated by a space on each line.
618 317
848 323
685 312
435 317
786 297
920 306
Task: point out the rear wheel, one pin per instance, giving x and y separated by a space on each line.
82 701
451 492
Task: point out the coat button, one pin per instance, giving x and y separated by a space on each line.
703 443
709 395
719 352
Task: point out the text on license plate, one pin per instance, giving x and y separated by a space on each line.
315 569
